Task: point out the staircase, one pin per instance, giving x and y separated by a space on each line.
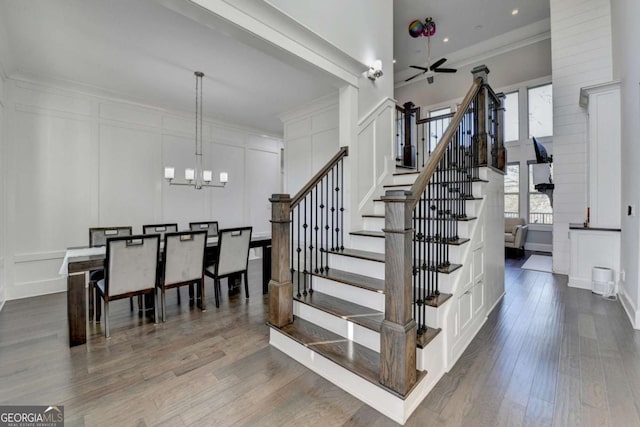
378 313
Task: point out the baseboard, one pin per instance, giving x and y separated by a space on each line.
36 288
629 308
538 247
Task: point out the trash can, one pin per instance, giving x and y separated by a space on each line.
602 281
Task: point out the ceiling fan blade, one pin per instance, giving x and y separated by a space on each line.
445 70
413 77
438 63
419 68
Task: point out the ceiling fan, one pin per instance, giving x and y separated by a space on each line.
427 29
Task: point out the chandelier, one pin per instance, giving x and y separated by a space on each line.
197 177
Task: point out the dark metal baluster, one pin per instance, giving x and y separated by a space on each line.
342 205
322 242
333 209
318 244
326 225
305 225
298 250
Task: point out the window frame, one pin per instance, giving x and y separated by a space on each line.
516 193
528 92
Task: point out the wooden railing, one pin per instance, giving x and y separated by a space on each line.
305 229
422 223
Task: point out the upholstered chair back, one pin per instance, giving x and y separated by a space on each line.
98 235
160 229
233 250
131 264
211 227
184 256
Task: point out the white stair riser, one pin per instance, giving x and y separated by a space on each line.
366 243
338 325
386 402
357 265
477 187
431 358
365 297
471 208
377 224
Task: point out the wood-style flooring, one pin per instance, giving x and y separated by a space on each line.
547 355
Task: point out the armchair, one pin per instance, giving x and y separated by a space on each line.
515 233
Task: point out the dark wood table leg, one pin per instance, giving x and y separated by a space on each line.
234 282
76 309
266 268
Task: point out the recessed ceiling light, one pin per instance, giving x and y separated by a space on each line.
515 11
479 27
446 39
394 61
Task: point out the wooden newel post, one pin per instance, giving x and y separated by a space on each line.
481 71
409 147
280 286
399 331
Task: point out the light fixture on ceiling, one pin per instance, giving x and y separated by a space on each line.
375 70
446 39
197 177
515 11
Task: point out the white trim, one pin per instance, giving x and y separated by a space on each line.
38 256
271 36
629 308
65 87
539 247
318 105
590 90
36 288
386 102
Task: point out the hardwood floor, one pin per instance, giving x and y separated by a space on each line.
547 355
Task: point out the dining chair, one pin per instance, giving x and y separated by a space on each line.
162 229
130 269
183 263
98 237
232 257
212 231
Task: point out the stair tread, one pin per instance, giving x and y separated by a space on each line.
355 253
438 300
427 336
358 314
466 218
368 233
447 182
459 241
358 280
440 199
352 356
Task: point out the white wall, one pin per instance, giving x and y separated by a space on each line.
581 56
310 139
80 160
625 15
2 193
361 28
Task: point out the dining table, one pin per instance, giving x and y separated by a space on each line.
80 260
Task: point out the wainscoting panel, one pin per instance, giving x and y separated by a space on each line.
80 160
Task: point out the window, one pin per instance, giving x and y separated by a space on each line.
512 191
438 126
540 211
511 122
540 111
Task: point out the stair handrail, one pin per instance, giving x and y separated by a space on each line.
300 195
421 182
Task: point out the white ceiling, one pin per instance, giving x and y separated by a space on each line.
465 22
144 51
